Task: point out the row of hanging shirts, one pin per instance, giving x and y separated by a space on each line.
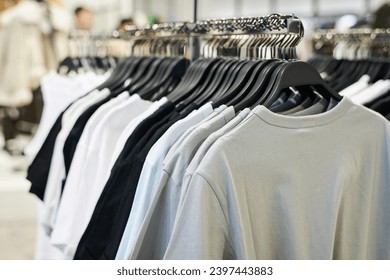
220 158
356 64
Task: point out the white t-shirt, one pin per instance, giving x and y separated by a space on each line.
282 187
57 166
150 176
58 92
357 87
372 92
86 178
161 213
128 130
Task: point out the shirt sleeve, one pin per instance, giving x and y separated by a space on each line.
200 230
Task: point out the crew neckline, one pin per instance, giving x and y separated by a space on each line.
303 121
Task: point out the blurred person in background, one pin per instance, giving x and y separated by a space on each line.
83 18
33 39
124 22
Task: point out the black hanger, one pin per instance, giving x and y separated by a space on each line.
117 73
359 68
375 71
345 78
296 74
174 71
144 74
229 79
137 70
215 84
189 75
117 86
343 66
240 82
153 75
257 91
387 75
384 73
205 87
68 65
248 86
177 95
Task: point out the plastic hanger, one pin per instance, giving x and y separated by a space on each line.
175 70
249 86
204 88
189 75
296 74
216 82
124 78
240 82
230 79
68 65
178 95
151 74
118 74
257 91
219 84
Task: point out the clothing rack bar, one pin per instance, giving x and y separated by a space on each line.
375 42
271 24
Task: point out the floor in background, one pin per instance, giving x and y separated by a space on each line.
17 240
17 209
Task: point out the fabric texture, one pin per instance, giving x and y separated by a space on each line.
269 190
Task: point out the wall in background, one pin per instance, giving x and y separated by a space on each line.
109 12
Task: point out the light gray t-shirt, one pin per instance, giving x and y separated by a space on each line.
282 187
161 213
197 159
150 175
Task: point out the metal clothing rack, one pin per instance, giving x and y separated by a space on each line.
361 43
101 44
281 30
271 36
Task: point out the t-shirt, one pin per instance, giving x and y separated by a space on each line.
158 223
175 146
76 132
318 107
293 101
128 130
138 157
107 206
372 92
58 92
357 87
38 171
282 187
151 173
86 175
206 145
57 171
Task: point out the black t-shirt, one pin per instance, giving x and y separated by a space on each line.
38 171
75 134
127 199
94 239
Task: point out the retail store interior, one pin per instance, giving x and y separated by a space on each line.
21 112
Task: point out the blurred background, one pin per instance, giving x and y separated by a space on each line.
21 106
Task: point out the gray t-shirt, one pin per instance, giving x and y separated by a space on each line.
161 213
282 187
